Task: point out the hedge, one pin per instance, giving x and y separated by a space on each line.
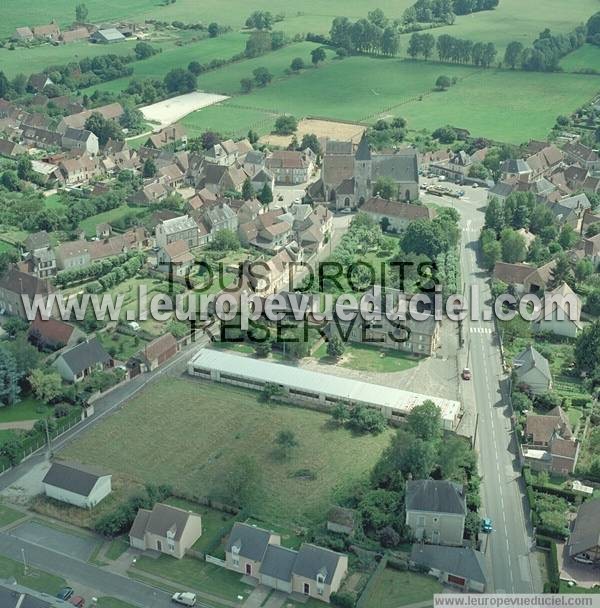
553 569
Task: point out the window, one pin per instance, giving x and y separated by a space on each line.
171 546
235 558
421 520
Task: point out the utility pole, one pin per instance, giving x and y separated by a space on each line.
24 561
48 444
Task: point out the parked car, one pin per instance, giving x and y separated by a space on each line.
185 598
78 601
466 374
346 210
486 525
475 185
65 593
280 197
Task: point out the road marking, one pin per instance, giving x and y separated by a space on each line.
481 330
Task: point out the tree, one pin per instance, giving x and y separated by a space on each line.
263 349
587 348
143 50
567 237
258 44
386 187
225 240
340 413
46 386
514 247
247 190
25 355
513 54
297 64
367 420
242 482
262 76
260 20
286 125
454 456
9 378
592 302
103 128
380 508
195 67
425 421
10 180
150 168
246 85
286 440
443 83
562 271
81 13
478 171
213 29
445 135
265 196
388 537
179 80
317 56
491 249
310 140
335 347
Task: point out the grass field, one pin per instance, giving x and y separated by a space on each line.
89 224
210 425
499 104
27 409
9 516
158 65
393 588
229 120
35 579
586 57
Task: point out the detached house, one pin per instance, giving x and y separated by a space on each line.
311 571
172 136
560 313
80 170
290 166
436 511
15 285
76 484
584 541
533 371
182 228
81 360
80 139
165 529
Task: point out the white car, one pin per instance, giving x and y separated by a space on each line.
186 598
346 210
475 185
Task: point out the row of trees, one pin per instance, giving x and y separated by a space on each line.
372 35
449 48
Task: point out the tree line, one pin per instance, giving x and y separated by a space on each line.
450 48
376 34
444 11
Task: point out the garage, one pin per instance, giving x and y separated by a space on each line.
276 568
456 580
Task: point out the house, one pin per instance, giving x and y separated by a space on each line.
224 153
223 178
80 139
584 541
171 175
549 444
47 172
560 313
570 210
110 35
290 166
78 33
436 511
513 274
159 350
455 168
80 170
462 567
341 520
254 161
150 193
581 155
111 111
78 362
394 215
22 34
182 228
540 278
41 138
221 217
38 82
49 31
165 529
73 254
501 190
172 136
76 484
544 158
11 149
263 177
40 259
591 248
311 571
16 285
533 371
53 333
176 258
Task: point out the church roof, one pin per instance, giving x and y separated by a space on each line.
363 152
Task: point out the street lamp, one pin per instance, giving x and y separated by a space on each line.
24 561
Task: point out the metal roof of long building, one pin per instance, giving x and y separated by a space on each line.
333 386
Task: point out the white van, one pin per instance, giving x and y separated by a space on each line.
186 599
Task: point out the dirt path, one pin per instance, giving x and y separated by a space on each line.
25 425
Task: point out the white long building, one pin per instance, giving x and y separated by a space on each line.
305 385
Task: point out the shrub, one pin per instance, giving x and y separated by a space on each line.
343 599
553 569
388 537
397 564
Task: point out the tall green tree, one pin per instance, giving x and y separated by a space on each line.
9 378
425 421
247 190
514 247
81 13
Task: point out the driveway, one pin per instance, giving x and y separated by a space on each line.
75 545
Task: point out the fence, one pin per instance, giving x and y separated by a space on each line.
368 588
215 560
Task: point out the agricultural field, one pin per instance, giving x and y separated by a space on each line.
198 446
584 58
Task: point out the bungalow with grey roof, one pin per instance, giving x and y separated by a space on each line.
76 484
78 362
532 371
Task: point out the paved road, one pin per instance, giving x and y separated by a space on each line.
513 569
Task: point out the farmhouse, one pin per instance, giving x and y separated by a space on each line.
584 541
311 571
314 387
436 511
166 529
76 484
460 566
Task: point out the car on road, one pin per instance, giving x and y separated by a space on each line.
475 185
65 593
280 197
78 601
486 525
461 193
346 210
466 374
185 598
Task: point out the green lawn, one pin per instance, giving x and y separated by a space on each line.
194 574
118 546
204 51
35 579
393 588
111 602
28 409
89 224
564 588
55 201
8 515
371 359
6 247
124 345
585 57
210 426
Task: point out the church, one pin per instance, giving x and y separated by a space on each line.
349 175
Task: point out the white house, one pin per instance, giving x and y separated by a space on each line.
560 313
76 484
533 371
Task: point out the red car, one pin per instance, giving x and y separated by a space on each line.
466 374
78 601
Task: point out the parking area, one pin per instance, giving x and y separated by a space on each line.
75 545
